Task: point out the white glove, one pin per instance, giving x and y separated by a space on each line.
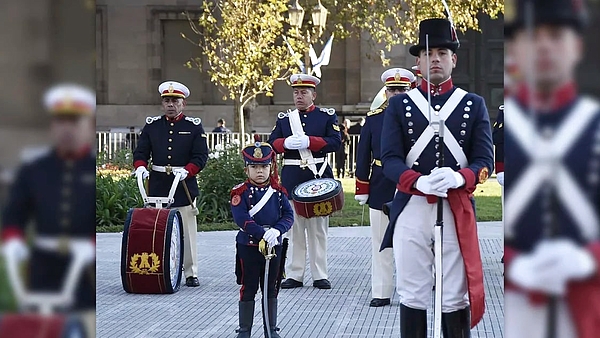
16 248
141 170
565 259
83 250
292 143
500 178
305 142
271 237
528 272
362 199
424 186
184 173
442 179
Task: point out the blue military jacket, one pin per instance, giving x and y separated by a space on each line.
320 124
181 143
276 213
369 172
546 208
403 124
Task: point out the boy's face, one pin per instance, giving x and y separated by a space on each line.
258 173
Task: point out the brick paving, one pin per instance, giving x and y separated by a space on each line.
211 309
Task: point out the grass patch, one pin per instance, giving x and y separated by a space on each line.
7 301
487 201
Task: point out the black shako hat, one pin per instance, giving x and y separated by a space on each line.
570 13
441 35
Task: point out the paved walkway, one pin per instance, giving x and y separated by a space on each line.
211 309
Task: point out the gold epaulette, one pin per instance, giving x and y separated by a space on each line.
378 110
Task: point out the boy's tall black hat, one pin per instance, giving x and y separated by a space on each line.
441 35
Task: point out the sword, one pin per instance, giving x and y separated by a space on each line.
439 223
269 253
362 217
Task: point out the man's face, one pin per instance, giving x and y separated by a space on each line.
71 133
304 97
172 106
441 63
393 91
553 54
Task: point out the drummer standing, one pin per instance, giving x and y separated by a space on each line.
56 190
177 144
322 137
373 187
410 156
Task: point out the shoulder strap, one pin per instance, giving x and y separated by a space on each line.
263 201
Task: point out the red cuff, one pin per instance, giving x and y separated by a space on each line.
140 163
499 167
192 169
407 181
278 145
316 143
469 176
10 232
362 187
594 248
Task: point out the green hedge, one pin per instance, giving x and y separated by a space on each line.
117 192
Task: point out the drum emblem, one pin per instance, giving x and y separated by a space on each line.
323 208
144 267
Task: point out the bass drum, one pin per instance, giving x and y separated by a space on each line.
33 325
152 251
318 198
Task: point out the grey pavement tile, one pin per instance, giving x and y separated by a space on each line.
211 310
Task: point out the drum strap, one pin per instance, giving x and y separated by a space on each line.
305 154
266 197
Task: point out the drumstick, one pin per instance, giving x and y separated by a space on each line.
187 192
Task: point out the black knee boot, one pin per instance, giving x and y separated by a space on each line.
246 319
457 324
272 326
413 322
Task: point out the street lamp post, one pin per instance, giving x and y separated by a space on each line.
319 21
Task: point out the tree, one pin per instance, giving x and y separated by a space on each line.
240 42
245 54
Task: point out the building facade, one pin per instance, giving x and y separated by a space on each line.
139 45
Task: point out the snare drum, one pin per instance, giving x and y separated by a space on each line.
318 198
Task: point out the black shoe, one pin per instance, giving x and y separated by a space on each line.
291 283
322 284
413 322
192 281
246 319
457 324
377 302
272 326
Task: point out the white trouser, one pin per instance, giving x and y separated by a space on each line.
190 233
311 231
413 238
382 263
525 320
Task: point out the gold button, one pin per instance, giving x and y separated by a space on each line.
169 148
304 115
303 124
170 140
172 124
67 177
170 132
69 163
65 222
66 191
169 157
65 207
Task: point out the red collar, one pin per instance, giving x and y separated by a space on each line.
309 109
440 89
74 155
176 118
548 102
